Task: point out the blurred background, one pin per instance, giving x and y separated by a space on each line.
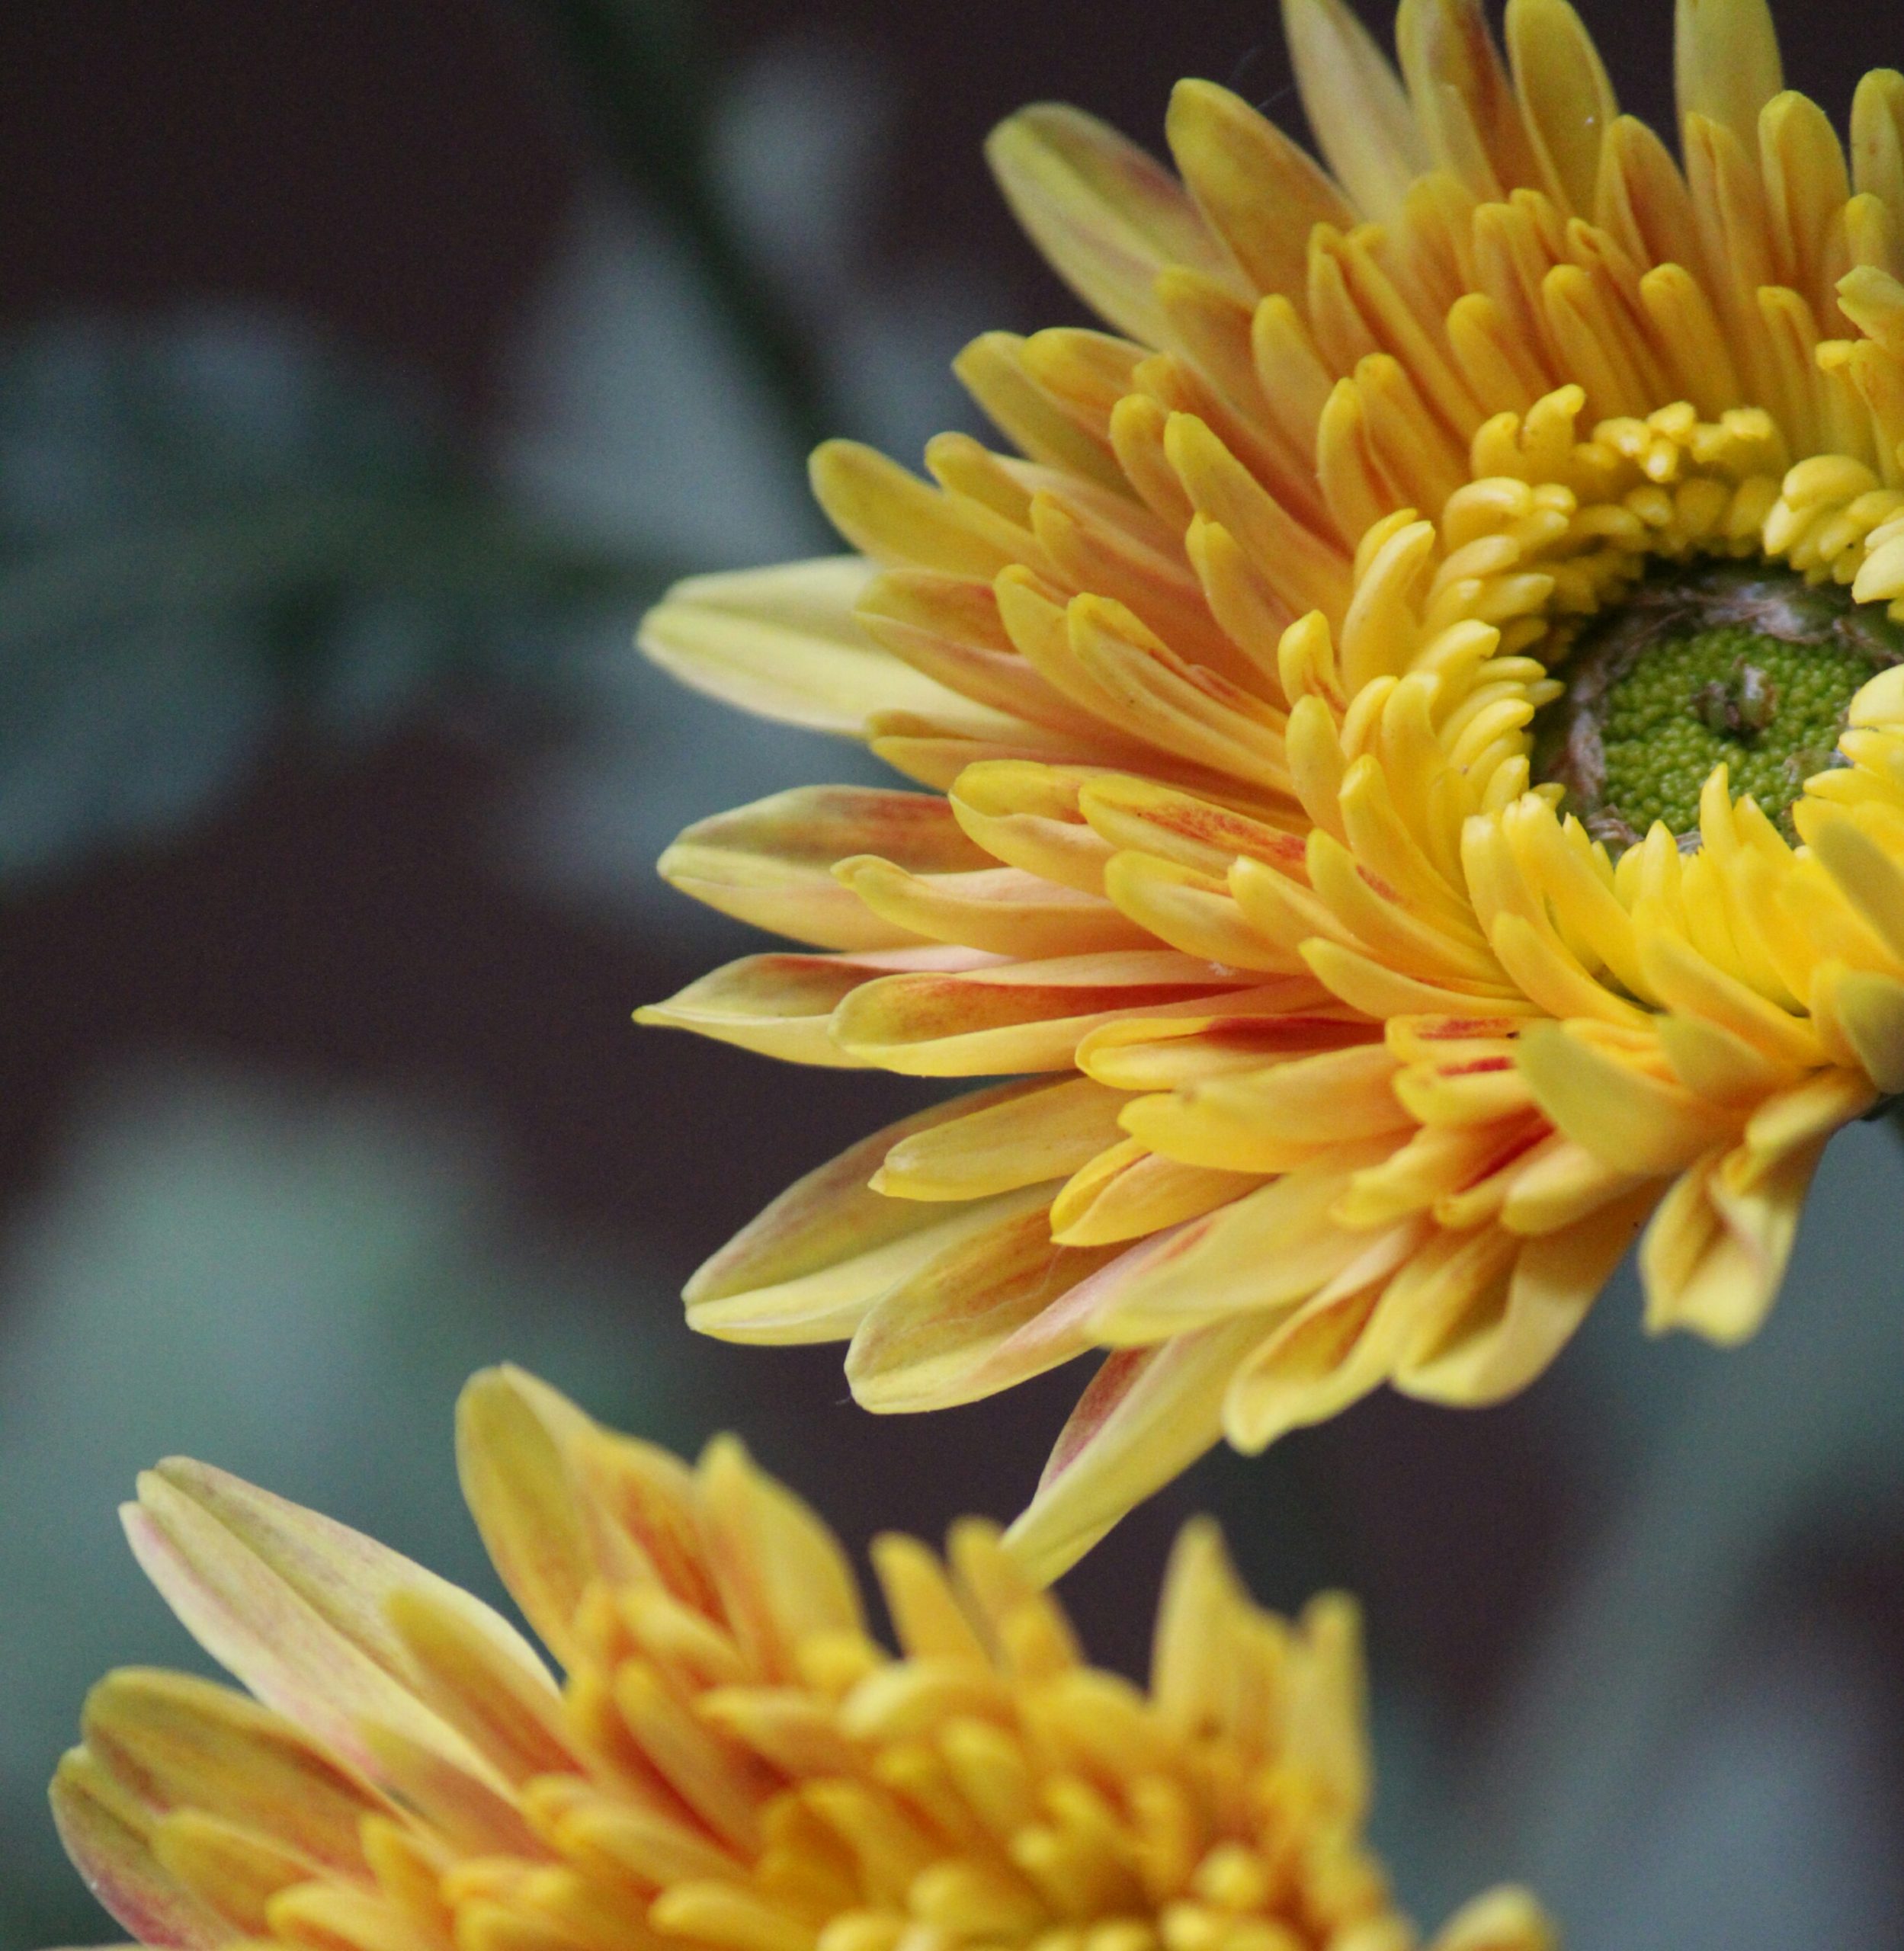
365 367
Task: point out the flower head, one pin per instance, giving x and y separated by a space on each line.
1416 737
732 1762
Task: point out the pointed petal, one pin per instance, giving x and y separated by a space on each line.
1008 1141
1567 102
1625 1117
1067 1326
107 1832
890 514
782 1005
185 1742
782 1573
1714 1256
1259 191
999 910
810 1266
1493 1353
1507 1919
294 1605
926 1344
1107 216
1461 97
1725 64
1038 421
231 1865
783 642
1870 1009
1127 1192
1019 1016
1353 100
1877 137
510 1433
1148 1414
771 863
1272 1248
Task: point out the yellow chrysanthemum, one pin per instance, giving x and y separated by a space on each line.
1339 712
733 1764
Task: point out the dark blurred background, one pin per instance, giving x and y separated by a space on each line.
366 366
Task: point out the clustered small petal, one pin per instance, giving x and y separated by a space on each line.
1358 1051
732 1762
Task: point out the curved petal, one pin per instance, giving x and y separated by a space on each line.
1107 216
1148 1413
783 643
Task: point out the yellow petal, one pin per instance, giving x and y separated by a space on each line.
1150 1053
1507 1919
771 862
1001 911
1327 1354
934 747
779 1005
232 1867
1126 1193
928 1620
513 1717
1460 96
106 1830
1039 420
810 1266
1713 1256
1261 193
783 1576
1632 1121
294 1605
1565 95
948 629
784 642
1148 1413
924 1345
1248 1123
1107 216
1496 1350
1686 981
1725 64
512 1435
1191 912
1807 187
1068 1324
1873 300
1877 136
1814 1108
895 518
1862 867
1021 1139
1870 1008
1202 1600
1027 1016
1263 1252
1355 103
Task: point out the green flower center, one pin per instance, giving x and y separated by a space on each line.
1749 668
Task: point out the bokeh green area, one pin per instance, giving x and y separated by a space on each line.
329 787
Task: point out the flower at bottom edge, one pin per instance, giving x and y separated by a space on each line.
1413 730
732 1763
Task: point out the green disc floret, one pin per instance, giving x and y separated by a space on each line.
1689 705
1750 668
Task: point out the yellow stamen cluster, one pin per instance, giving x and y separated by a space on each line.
733 1763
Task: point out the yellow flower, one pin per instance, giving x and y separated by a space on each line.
1340 712
733 1764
